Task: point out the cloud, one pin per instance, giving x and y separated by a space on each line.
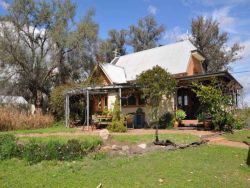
227 22
152 9
4 4
213 3
176 34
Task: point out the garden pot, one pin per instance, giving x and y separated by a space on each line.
207 124
176 124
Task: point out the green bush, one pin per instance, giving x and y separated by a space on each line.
117 126
8 146
166 120
35 151
57 100
180 115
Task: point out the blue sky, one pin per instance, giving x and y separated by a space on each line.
176 16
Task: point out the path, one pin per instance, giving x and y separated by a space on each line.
219 140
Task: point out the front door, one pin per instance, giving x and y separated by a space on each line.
187 101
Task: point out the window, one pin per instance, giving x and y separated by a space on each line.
180 100
185 100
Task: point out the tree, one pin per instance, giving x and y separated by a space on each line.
74 49
212 43
114 44
216 104
36 40
145 34
156 84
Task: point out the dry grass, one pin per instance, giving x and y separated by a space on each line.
12 119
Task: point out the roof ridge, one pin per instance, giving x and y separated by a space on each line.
167 45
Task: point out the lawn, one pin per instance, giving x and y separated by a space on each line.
129 139
239 136
205 166
57 127
177 138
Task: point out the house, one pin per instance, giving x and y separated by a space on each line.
117 78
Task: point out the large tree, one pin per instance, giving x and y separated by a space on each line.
113 46
35 42
213 44
146 34
158 87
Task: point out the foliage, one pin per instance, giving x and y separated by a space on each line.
12 119
216 104
212 43
156 83
8 146
41 45
166 120
117 126
114 44
57 100
180 115
145 34
116 112
35 151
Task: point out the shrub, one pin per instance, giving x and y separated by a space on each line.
12 119
34 151
117 126
217 104
57 100
166 120
180 115
8 146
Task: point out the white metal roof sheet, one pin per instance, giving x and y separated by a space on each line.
115 73
173 57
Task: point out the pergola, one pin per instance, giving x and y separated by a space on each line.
87 91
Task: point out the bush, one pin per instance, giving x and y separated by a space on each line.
180 115
117 126
8 146
57 100
35 151
12 119
166 120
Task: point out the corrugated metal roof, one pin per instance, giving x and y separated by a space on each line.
12 100
116 74
173 57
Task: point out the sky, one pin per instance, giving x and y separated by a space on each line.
176 16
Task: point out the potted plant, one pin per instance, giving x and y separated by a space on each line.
179 115
205 119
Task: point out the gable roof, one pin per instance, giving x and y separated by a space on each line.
115 74
173 57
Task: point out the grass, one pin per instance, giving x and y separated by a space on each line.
131 139
239 136
62 139
205 166
57 127
177 138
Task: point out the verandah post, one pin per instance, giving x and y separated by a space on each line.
87 109
67 111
